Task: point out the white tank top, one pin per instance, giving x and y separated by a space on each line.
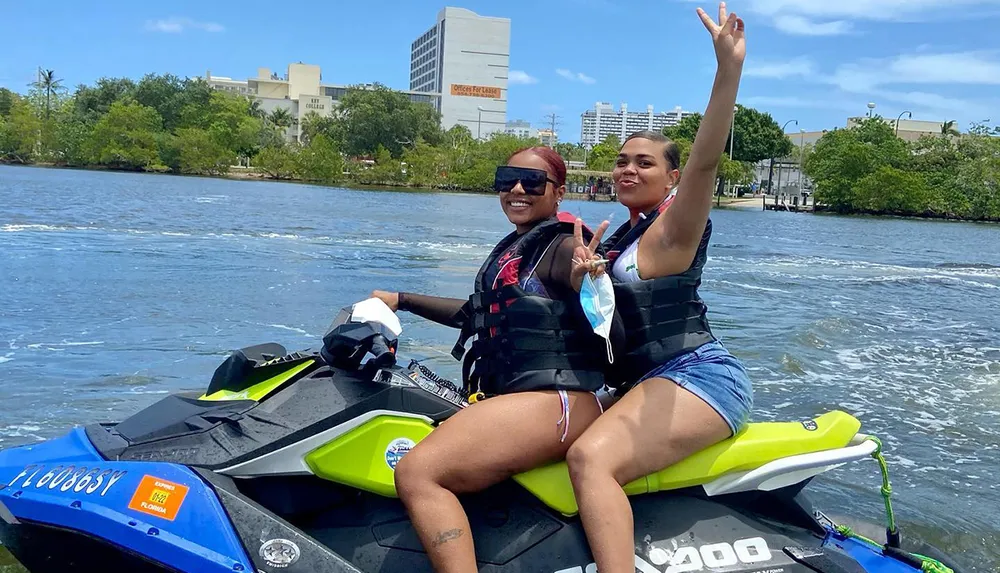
626 266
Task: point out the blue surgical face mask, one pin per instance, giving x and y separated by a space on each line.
597 297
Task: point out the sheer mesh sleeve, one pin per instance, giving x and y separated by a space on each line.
446 311
555 267
554 271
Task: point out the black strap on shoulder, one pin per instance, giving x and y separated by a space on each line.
467 329
626 234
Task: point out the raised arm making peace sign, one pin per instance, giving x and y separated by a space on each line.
679 389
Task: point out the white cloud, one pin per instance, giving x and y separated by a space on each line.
919 68
926 100
800 26
883 11
923 103
800 66
177 24
575 76
519 77
963 68
798 102
953 68
826 17
893 82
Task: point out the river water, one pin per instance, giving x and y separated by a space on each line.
116 289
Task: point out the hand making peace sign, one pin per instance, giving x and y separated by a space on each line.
728 37
585 258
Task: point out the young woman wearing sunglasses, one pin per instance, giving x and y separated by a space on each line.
681 391
535 360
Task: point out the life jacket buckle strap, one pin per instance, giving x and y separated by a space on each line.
467 330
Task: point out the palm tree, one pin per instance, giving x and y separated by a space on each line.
255 109
48 83
948 128
280 117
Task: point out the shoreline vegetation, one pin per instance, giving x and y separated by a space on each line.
744 202
243 173
379 138
867 170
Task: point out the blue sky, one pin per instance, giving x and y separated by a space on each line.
815 61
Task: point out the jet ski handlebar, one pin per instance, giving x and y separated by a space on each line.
366 327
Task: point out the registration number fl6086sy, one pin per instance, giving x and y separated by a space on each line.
79 479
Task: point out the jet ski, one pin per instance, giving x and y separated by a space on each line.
285 463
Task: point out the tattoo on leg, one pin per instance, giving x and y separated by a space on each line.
446 536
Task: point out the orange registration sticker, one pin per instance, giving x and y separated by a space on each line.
158 497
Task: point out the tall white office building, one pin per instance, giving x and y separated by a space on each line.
598 123
465 58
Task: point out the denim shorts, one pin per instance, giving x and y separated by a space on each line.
714 375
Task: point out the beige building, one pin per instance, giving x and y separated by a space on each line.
789 180
909 130
548 137
300 91
223 83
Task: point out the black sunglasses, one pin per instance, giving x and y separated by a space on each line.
533 181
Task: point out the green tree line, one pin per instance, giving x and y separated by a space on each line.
867 169
163 123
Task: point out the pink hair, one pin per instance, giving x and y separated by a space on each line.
551 158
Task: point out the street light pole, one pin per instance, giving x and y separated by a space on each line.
732 142
908 116
770 170
479 128
802 154
732 133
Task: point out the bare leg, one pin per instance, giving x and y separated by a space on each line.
482 445
653 426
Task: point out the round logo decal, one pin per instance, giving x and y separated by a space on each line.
396 450
279 553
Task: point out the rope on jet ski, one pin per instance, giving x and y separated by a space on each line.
848 532
933 565
927 565
886 488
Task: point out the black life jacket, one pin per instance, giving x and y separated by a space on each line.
525 340
663 317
